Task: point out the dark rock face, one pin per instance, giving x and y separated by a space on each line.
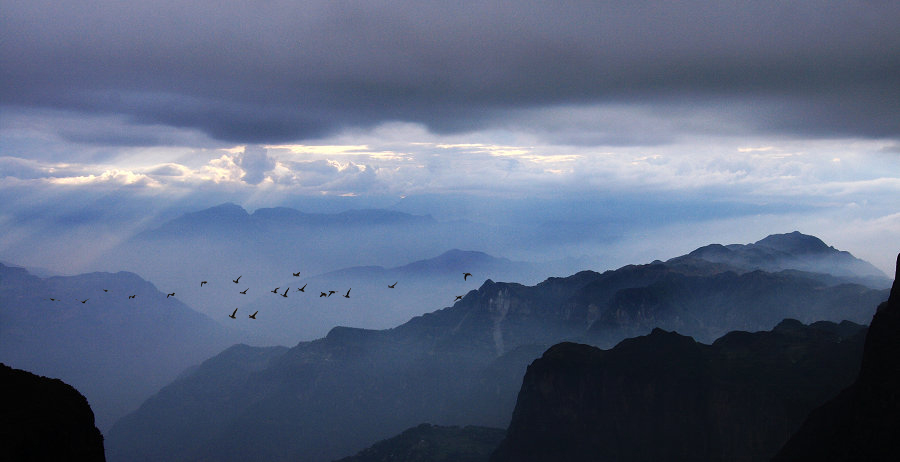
666 397
45 419
432 443
863 421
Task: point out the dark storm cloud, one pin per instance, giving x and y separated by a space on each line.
281 71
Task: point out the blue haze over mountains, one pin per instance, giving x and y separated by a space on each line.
118 354
460 365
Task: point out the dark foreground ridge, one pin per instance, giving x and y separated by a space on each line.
863 421
44 419
666 397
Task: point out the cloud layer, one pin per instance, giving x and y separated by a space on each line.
271 72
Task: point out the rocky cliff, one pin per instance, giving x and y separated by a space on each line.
666 397
44 419
863 421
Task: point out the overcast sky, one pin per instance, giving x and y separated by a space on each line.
114 113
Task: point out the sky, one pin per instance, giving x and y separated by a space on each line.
669 125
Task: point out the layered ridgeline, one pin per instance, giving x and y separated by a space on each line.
43 419
462 365
116 350
863 421
380 297
268 246
664 396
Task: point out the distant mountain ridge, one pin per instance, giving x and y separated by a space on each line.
793 251
232 218
115 350
460 365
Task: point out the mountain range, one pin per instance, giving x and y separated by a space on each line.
116 350
460 365
269 245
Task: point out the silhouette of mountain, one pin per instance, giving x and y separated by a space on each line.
461 365
793 251
863 421
116 350
666 397
44 419
432 443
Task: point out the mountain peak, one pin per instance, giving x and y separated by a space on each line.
794 243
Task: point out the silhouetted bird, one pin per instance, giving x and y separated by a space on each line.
322 294
297 274
132 296
253 316
245 291
233 313
458 297
330 292
54 300
106 290
170 295
202 282
393 285
302 289
238 279
466 276
285 292
275 291
84 301
347 295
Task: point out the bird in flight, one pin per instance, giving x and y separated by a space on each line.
347 295
297 274
322 294
233 313
458 297
330 292
106 290
202 282
285 292
393 285
54 300
84 301
238 279
466 276
170 295
302 289
132 296
245 291
275 290
253 316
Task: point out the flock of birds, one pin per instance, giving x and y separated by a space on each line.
276 290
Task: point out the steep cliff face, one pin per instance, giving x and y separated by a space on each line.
45 419
863 421
666 397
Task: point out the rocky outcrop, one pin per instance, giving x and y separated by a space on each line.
44 419
666 397
863 421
